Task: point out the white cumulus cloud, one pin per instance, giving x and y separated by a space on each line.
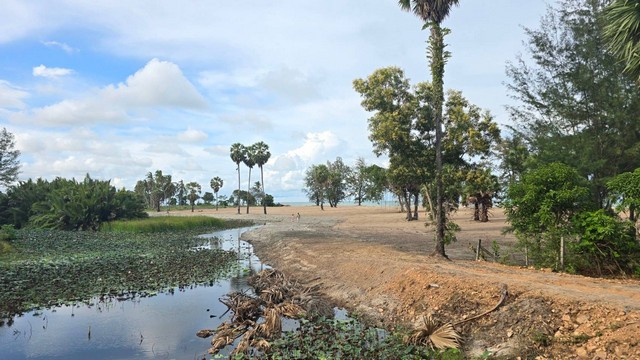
159 84
48 72
192 135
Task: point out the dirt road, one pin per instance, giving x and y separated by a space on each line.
377 265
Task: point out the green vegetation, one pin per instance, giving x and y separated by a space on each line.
9 165
158 224
337 339
67 204
51 267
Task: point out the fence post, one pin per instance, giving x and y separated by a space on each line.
562 253
478 249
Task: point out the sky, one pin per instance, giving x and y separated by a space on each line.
117 88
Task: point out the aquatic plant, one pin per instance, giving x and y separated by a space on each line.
157 224
51 267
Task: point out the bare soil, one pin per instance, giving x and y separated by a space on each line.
379 267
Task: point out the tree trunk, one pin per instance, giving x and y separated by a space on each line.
248 189
415 206
407 199
238 188
476 206
264 195
431 208
401 202
437 73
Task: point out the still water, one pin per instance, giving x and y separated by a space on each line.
158 327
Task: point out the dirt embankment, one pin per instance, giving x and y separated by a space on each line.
377 265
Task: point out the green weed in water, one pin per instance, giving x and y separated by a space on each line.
50 267
335 339
158 224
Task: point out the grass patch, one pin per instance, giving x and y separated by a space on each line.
50 267
157 224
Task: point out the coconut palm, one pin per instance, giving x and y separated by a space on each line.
216 183
433 12
248 160
622 30
238 154
261 155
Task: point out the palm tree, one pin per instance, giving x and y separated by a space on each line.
194 193
261 155
622 30
238 154
216 184
249 161
433 12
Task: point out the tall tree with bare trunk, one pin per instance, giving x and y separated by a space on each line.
433 12
261 155
238 154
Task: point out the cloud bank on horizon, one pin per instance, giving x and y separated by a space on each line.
117 89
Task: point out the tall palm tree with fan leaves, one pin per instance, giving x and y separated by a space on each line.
433 13
216 183
622 30
238 153
261 155
250 162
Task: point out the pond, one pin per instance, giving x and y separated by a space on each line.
158 327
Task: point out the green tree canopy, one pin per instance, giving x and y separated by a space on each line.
575 104
9 164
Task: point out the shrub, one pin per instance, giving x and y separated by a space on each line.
605 244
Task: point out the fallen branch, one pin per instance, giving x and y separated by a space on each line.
503 297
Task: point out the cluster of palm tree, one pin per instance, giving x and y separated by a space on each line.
256 154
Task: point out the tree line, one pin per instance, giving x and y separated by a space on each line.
566 172
68 204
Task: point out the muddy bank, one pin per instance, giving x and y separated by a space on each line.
376 265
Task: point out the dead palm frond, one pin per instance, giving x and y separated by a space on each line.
435 335
245 343
261 344
225 335
272 323
290 310
275 294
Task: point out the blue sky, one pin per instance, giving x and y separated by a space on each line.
119 88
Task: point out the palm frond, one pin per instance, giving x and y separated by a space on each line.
438 337
429 10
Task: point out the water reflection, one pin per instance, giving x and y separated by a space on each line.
159 327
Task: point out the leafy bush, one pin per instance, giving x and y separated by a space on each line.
7 233
541 208
605 244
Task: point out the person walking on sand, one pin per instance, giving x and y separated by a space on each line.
298 218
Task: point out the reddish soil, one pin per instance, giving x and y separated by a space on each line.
378 266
